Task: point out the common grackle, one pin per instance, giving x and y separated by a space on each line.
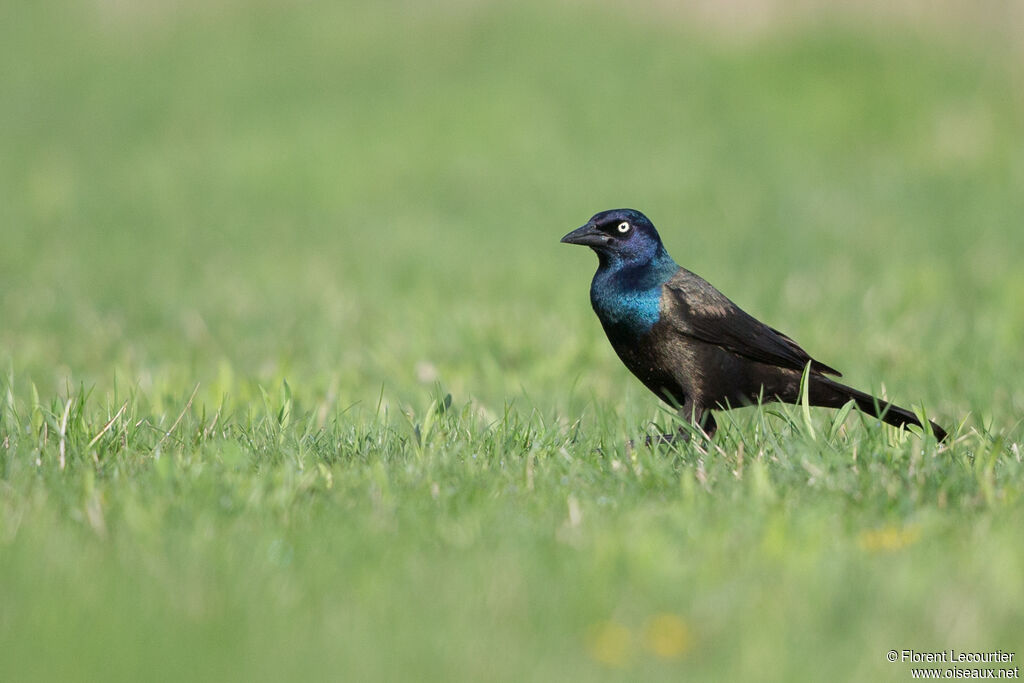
692 346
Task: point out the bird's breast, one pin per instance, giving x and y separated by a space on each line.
627 311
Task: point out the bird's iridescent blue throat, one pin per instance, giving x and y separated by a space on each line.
632 267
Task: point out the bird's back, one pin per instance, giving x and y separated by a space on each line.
696 309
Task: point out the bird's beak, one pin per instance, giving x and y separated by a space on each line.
588 235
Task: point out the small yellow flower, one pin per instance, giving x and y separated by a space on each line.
888 538
667 636
610 643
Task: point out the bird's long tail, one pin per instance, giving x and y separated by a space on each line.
827 392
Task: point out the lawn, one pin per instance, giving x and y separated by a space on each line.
297 383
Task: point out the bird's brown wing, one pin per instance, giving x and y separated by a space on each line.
695 308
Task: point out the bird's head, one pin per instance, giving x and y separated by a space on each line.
619 236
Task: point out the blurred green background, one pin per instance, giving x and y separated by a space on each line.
365 201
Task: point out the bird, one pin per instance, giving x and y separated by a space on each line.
690 344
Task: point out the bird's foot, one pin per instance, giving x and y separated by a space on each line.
681 436
652 440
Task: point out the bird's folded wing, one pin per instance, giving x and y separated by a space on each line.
698 310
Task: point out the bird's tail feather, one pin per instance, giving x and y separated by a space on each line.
829 393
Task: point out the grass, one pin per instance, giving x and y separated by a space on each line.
297 381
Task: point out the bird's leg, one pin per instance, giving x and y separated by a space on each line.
701 419
708 425
698 417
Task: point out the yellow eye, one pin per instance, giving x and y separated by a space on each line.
623 227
